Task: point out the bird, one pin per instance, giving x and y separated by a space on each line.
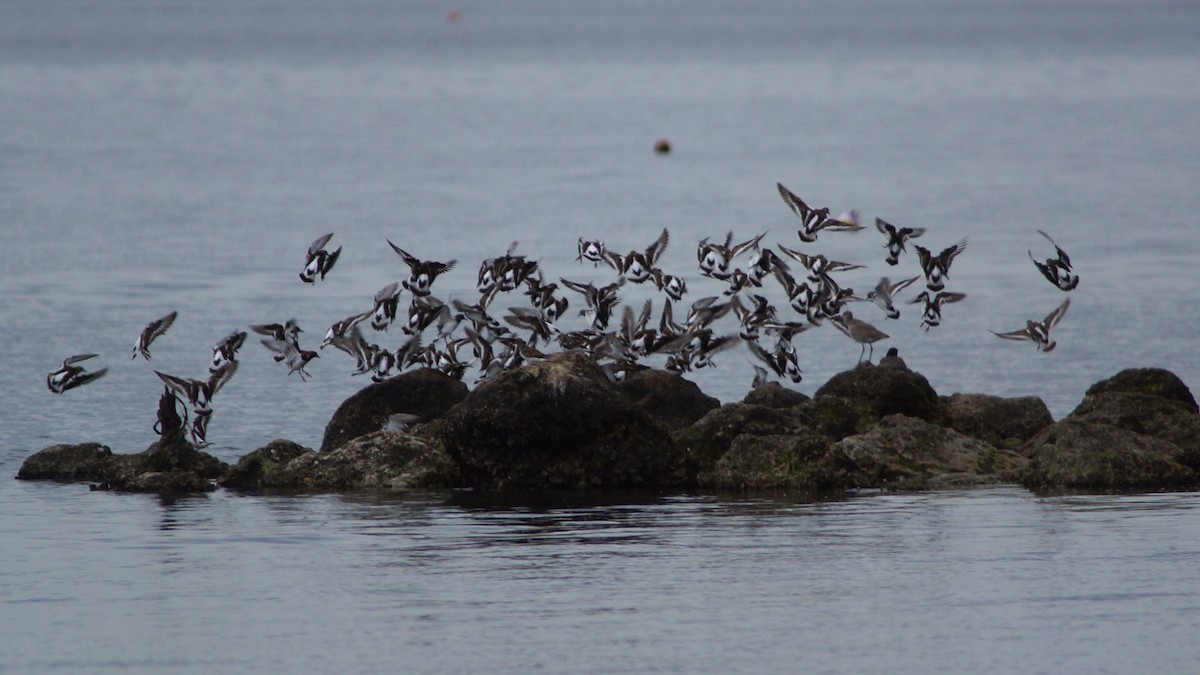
319 261
421 272
937 268
198 394
226 350
288 331
592 251
896 238
812 220
69 375
339 329
1039 331
781 360
1057 270
291 353
150 333
861 332
884 295
932 315
638 266
715 258
387 299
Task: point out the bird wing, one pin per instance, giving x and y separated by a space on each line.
1059 312
408 258
318 244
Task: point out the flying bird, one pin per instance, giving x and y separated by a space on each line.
318 262
1057 270
1039 331
150 333
69 375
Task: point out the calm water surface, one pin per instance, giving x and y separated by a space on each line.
163 155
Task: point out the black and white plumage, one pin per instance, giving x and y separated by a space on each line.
781 359
937 268
639 266
318 261
422 273
931 316
291 353
225 351
1038 332
812 221
387 300
339 329
896 238
70 376
288 331
198 395
884 295
1057 270
715 259
150 333
592 251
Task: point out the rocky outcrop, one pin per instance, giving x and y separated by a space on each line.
1003 422
706 442
162 467
426 393
557 424
1138 429
907 453
775 395
797 462
886 390
262 465
666 397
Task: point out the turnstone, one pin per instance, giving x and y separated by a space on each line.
896 238
937 268
422 272
715 259
339 329
289 331
319 261
670 284
152 331
861 332
884 295
592 251
423 311
1039 331
932 315
291 353
226 350
638 266
70 375
781 360
812 220
819 267
1057 270
600 301
387 299
198 394
752 318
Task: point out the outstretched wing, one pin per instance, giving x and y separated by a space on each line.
319 244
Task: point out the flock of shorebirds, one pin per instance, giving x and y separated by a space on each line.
440 334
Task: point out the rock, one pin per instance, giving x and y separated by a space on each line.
706 441
1003 422
888 390
804 462
251 469
1088 455
82 462
558 423
172 466
1167 419
907 453
386 459
667 397
427 393
838 417
775 395
1154 381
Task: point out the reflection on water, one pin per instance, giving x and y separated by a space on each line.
1000 579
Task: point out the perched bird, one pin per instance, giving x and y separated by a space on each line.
932 315
319 261
1057 270
225 351
884 295
937 268
1039 331
421 272
861 332
70 375
896 238
812 220
150 333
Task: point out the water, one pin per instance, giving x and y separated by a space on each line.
160 156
